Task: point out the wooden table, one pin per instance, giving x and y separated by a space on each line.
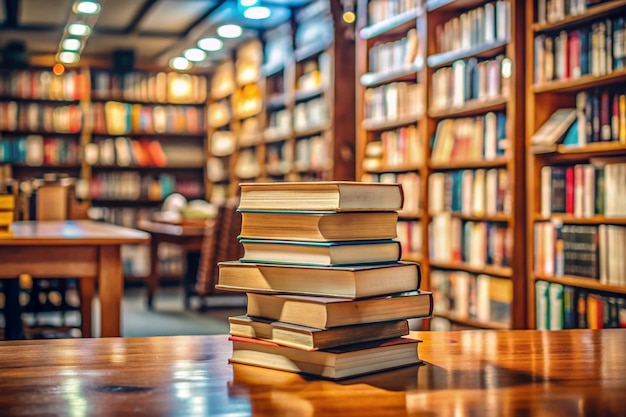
189 237
472 373
84 249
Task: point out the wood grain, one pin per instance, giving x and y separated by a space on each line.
472 373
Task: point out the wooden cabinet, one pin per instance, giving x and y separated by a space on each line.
445 121
576 61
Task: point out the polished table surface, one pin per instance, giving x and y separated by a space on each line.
471 373
84 249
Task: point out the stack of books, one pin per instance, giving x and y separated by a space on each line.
7 208
326 291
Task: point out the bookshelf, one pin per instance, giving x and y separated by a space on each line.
304 127
466 177
575 227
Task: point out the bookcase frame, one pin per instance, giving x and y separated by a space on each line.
431 13
542 101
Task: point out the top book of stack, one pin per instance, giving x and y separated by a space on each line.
321 196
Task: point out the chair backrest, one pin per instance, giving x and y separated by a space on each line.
220 244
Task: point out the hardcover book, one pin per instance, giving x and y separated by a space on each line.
345 282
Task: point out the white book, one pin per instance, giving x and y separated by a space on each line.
589 190
467 186
556 306
581 117
478 202
458 83
546 191
491 192
482 292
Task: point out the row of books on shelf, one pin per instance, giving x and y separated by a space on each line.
476 27
411 187
394 100
396 149
464 296
334 320
583 190
41 84
160 87
557 10
40 117
123 151
117 118
474 243
470 192
381 10
37 150
470 80
311 114
131 185
596 48
588 251
410 236
480 138
402 53
561 306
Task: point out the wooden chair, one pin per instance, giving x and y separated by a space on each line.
220 243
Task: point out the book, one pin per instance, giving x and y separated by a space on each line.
311 338
318 226
337 363
346 282
320 253
321 195
327 312
554 129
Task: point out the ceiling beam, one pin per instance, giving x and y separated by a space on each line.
11 8
200 19
141 13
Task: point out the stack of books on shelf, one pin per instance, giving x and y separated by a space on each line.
327 293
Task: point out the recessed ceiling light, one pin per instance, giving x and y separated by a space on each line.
229 31
248 3
257 13
78 29
180 63
71 44
87 7
67 57
210 44
195 54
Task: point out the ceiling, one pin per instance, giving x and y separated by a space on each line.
155 29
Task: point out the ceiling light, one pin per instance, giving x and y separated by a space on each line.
71 44
195 54
78 29
180 63
210 44
67 57
349 16
229 31
87 7
257 13
247 3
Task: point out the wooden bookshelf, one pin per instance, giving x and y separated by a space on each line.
576 89
425 17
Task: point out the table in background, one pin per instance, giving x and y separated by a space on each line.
471 373
83 249
189 237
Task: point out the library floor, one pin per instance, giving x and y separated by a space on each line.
169 316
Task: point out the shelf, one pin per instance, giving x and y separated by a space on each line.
570 154
243 116
406 215
311 131
592 13
200 135
303 95
404 73
384 124
98 99
483 51
147 168
589 283
448 5
492 325
495 218
471 108
125 202
277 137
59 102
413 257
498 271
272 68
586 82
399 23
396 169
570 219
276 101
56 167
20 132
452 165
311 50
